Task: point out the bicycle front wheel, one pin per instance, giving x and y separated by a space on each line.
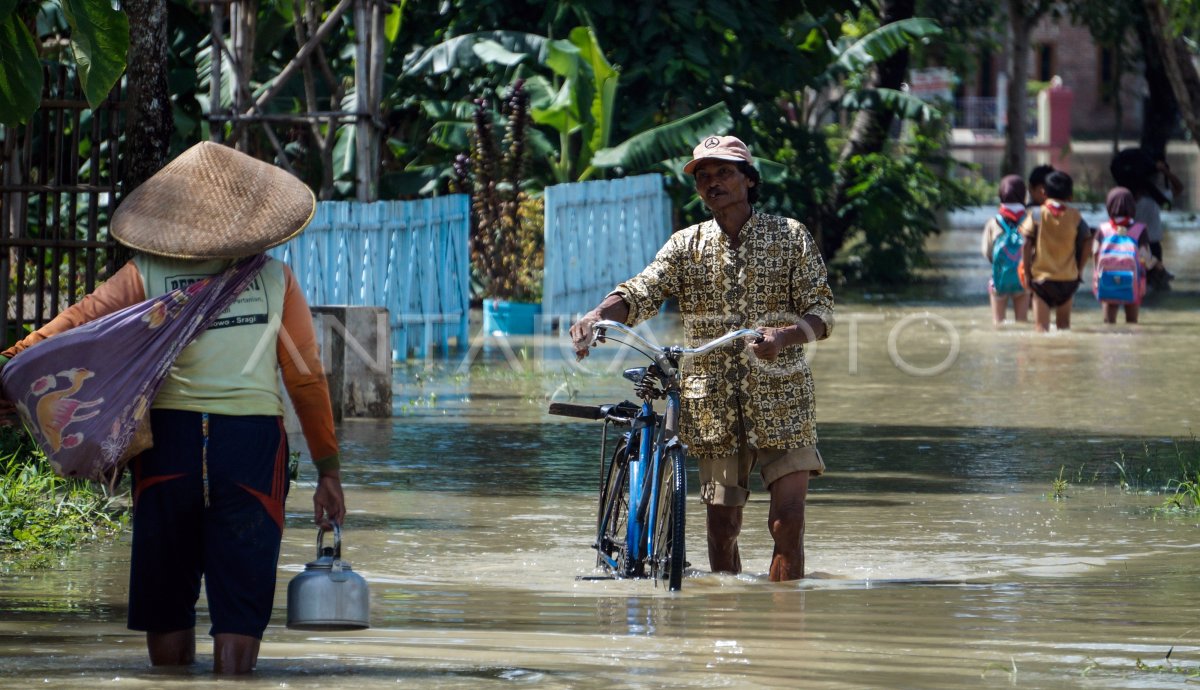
612 551
669 523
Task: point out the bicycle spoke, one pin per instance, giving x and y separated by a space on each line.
611 549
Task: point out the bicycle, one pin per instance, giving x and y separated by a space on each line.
643 490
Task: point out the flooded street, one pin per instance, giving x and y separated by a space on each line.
938 554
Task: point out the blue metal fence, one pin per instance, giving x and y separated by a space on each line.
597 235
411 257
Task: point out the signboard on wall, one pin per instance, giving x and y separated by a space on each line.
932 84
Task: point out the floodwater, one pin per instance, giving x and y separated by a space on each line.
938 554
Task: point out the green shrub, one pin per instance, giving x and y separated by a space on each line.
895 197
42 514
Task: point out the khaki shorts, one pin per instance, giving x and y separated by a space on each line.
725 480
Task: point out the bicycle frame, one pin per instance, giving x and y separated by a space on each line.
653 437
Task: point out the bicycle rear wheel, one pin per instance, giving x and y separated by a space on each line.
613 518
669 531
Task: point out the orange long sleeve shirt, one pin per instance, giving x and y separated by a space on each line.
304 380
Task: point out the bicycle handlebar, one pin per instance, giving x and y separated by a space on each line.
600 326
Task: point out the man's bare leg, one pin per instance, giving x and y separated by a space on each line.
234 654
786 522
724 525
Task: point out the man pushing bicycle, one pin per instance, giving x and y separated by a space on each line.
745 405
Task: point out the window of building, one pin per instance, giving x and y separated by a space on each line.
987 74
1107 65
1044 54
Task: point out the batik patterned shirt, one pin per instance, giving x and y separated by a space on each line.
773 278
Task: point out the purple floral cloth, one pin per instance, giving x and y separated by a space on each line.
83 392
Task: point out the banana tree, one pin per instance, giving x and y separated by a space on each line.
99 42
573 93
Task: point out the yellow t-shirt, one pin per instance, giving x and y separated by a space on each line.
1054 239
230 368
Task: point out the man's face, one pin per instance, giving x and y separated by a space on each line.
721 185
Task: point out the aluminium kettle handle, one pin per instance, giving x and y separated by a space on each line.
337 541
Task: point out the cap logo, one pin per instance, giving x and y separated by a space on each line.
712 143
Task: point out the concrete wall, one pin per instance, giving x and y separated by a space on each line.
1077 59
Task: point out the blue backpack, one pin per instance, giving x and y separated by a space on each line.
1006 259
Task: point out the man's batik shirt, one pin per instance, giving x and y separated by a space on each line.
773 278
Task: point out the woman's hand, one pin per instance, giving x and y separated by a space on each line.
329 505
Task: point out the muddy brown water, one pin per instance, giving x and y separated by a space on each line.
938 556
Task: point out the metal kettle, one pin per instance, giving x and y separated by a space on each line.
328 595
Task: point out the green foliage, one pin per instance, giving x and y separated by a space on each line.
100 42
666 142
20 72
1060 485
1185 18
1186 487
573 92
99 38
895 196
42 514
878 45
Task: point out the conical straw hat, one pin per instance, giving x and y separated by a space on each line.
213 202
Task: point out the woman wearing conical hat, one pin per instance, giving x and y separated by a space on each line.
209 495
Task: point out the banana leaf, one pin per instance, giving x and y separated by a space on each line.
662 143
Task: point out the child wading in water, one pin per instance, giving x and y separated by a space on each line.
1122 255
1002 243
1056 248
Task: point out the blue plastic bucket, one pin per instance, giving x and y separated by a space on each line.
501 317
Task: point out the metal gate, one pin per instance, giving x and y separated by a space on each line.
58 183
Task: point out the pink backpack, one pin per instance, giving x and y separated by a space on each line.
1119 276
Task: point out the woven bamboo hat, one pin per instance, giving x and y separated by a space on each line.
213 202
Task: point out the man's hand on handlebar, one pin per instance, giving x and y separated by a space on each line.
613 308
769 345
581 334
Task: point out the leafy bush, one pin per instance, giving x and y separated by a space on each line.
42 514
896 196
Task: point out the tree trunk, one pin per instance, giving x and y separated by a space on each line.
1160 112
1118 100
1177 63
148 123
1019 27
868 134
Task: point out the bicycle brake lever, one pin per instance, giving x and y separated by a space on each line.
597 337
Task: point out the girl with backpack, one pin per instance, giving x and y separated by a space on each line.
1121 256
1001 246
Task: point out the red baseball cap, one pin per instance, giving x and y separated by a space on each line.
721 148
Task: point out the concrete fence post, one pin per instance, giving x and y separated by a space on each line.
356 352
